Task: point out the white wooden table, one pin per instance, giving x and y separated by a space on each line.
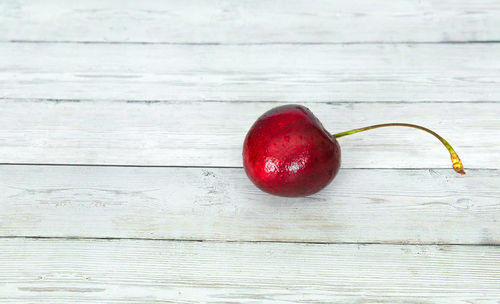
121 126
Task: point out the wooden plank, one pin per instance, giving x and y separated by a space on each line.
389 206
435 72
126 271
212 134
250 21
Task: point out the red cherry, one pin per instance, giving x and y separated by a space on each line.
288 152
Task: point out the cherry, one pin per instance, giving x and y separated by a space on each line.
288 152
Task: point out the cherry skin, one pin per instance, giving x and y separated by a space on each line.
288 152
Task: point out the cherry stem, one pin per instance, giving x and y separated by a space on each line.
457 163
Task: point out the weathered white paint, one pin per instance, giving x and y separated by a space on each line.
250 21
212 133
424 72
389 206
125 271
302 51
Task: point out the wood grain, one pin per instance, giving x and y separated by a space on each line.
176 84
212 133
388 206
250 21
424 72
90 271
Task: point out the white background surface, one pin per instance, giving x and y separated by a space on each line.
121 126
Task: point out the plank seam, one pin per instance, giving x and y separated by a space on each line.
249 43
154 101
222 167
248 241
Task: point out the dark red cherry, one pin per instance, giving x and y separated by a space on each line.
288 152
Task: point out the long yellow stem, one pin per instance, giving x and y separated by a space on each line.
457 163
